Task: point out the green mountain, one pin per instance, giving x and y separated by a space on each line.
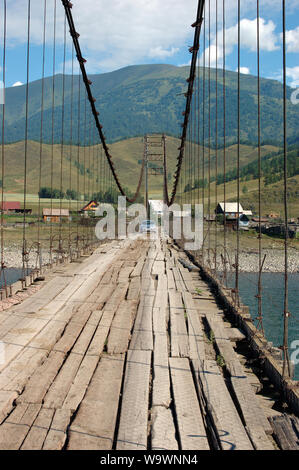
149 98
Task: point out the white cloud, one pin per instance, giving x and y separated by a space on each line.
292 40
268 39
18 84
244 70
118 33
159 52
113 33
293 74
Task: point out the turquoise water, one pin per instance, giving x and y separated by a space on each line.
12 275
273 293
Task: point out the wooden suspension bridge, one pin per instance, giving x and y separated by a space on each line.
136 344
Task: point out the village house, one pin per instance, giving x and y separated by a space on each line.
55 215
91 206
230 209
11 207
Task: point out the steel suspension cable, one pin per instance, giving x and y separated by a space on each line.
224 144
286 359
216 142
24 251
3 145
41 133
259 294
238 157
62 139
53 119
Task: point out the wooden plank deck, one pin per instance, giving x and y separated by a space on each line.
111 354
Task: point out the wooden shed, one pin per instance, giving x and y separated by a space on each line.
55 215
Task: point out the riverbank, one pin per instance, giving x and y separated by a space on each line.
249 261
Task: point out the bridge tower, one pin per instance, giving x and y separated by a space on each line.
155 161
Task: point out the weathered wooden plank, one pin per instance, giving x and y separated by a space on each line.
161 308
170 279
98 342
228 425
117 297
132 434
38 432
161 379
57 435
98 411
81 382
121 328
16 427
252 412
62 383
163 429
124 273
178 330
24 331
286 431
195 329
190 422
134 289
142 337
158 268
12 436
179 282
138 268
16 374
40 381
6 403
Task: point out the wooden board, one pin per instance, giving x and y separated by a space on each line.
195 329
228 425
98 411
161 380
132 433
121 328
192 433
81 382
163 429
40 381
252 412
142 337
178 330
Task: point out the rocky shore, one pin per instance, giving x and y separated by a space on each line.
274 261
249 260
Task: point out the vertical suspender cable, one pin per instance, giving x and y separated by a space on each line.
259 294
53 115
238 157
216 141
203 131
209 154
41 134
24 252
224 147
71 150
78 160
3 146
62 140
286 360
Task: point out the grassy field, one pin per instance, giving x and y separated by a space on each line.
127 157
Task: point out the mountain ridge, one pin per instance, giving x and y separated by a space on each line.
141 99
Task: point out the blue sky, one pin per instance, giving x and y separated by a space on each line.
118 33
